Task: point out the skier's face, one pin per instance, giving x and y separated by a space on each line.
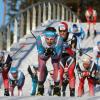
86 65
63 33
75 30
50 41
15 75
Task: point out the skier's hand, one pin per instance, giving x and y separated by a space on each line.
86 74
29 71
49 51
93 74
80 52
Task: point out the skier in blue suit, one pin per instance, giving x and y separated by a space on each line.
49 45
78 32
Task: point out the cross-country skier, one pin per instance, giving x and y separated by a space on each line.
86 69
68 59
49 45
5 64
16 78
96 52
78 32
32 70
91 17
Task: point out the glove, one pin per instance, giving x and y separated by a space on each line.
80 52
93 74
48 51
86 74
29 71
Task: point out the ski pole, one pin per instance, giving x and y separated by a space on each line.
85 53
33 35
18 50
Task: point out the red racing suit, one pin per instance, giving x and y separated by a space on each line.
68 60
88 74
5 70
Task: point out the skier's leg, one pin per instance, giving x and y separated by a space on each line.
12 90
61 75
81 86
50 90
64 85
91 86
88 29
94 26
56 77
34 86
20 88
6 82
41 76
72 78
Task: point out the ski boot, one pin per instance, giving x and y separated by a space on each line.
56 91
72 92
64 85
40 89
6 93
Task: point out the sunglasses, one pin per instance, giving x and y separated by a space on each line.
50 39
62 30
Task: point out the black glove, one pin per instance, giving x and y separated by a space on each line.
29 71
49 51
9 60
80 52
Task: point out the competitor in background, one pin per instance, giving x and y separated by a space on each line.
16 78
86 69
32 70
91 17
5 64
78 32
49 45
96 52
68 58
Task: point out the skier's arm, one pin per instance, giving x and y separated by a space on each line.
82 33
74 42
94 16
87 16
94 70
8 62
79 71
40 48
29 71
